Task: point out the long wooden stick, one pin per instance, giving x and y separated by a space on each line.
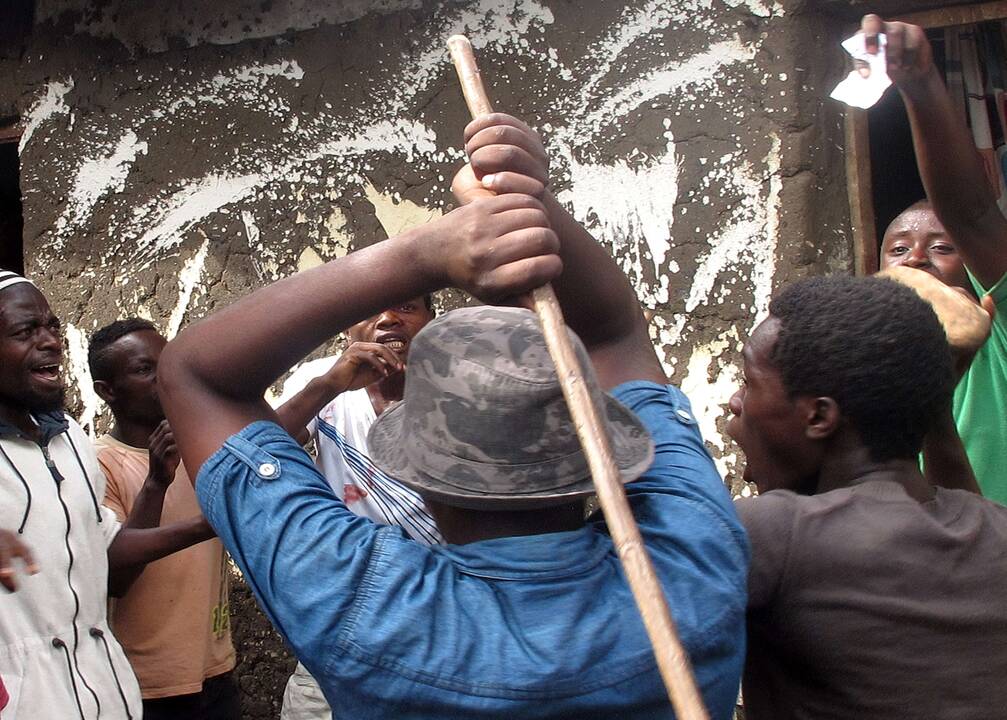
672 660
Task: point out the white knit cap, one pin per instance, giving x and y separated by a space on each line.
8 278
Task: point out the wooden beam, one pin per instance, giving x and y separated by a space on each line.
957 15
11 133
860 192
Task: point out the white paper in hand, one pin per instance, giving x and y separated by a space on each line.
857 90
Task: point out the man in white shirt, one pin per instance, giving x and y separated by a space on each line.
60 659
336 410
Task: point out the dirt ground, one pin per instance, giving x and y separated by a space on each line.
264 661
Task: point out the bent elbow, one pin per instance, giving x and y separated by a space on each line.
175 371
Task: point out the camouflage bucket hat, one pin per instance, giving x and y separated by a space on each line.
483 423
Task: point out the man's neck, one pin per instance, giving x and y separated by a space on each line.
461 527
853 465
133 434
387 391
20 418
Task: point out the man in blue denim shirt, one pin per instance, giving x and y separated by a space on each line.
525 613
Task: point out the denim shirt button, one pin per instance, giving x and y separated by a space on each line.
267 470
684 415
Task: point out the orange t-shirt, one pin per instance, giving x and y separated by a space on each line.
174 622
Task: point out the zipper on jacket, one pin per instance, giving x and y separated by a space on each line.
53 470
69 570
60 645
97 633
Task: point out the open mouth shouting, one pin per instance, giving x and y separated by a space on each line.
46 373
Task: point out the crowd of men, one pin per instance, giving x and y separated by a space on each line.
435 559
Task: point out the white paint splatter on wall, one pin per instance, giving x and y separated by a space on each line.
96 177
80 374
752 219
188 283
52 102
710 395
614 102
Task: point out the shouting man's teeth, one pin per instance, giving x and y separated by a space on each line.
49 372
395 344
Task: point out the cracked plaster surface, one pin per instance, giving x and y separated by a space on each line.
177 176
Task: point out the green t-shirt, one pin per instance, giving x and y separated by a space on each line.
980 405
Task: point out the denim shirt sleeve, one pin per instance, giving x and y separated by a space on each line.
300 549
682 466
692 531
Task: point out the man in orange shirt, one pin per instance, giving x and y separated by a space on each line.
173 619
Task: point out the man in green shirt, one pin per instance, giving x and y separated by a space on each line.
959 235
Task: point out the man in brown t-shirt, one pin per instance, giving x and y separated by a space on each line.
872 594
173 619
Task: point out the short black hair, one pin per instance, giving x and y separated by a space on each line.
428 300
98 357
872 345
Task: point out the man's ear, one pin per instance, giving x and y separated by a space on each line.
105 391
823 417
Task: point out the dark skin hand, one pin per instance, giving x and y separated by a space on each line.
598 302
950 167
163 454
213 375
361 364
11 547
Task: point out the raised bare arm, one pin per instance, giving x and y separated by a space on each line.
952 172
212 376
598 302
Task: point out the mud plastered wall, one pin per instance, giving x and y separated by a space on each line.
177 155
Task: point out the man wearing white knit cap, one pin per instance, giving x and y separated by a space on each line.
59 659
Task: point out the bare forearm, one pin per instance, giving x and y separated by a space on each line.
297 412
945 463
211 378
952 173
953 176
598 301
134 547
235 351
600 304
146 512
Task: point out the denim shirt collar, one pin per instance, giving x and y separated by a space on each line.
531 557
